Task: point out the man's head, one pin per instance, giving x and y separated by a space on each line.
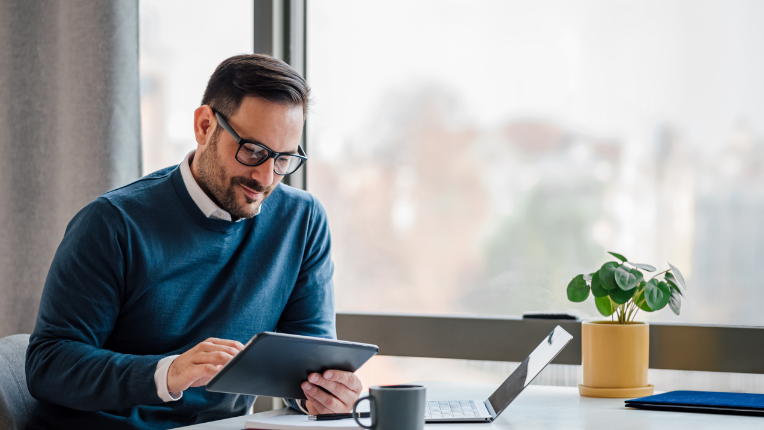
263 100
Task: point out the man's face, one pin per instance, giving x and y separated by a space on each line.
236 188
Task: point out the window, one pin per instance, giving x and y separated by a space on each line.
474 158
181 42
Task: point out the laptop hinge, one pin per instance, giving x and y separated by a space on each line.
490 409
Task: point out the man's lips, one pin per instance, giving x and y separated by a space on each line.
254 195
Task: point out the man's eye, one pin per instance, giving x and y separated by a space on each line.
253 151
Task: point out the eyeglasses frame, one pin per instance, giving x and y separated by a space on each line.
271 153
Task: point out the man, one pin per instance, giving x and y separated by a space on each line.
156 285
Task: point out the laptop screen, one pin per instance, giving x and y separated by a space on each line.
529 369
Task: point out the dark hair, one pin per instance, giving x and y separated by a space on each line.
255 75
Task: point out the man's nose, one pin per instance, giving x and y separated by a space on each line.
264 173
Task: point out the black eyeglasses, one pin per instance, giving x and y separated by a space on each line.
254 153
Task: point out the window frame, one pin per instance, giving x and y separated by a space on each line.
708 348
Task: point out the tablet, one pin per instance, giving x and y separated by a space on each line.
275 364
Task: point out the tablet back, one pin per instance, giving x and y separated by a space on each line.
275 364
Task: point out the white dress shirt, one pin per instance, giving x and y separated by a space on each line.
210 210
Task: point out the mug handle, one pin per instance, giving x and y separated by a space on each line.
356 415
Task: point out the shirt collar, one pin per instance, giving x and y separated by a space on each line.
205 203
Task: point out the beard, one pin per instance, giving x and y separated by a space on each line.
222 187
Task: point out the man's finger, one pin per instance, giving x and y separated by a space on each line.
211 347
226 342
314 406
327 400
348 379
215 357
200 371
343 393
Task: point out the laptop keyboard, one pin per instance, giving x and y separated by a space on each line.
451 409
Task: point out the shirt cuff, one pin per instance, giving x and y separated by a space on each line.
160 379
303 407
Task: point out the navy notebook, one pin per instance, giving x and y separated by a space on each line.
703 401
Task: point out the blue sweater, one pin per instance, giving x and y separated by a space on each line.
141 274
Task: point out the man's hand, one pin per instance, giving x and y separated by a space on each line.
342 390
199 364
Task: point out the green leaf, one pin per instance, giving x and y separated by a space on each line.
607 275
645 267
620 296
640 301
637 274
678 276
674 287
672 281
625 279
657 294
675 302
605 305
578 291
597 289
618 256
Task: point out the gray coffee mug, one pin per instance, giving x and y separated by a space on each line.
395 407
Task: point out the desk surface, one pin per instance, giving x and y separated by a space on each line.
548 408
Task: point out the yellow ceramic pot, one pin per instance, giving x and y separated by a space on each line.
615 358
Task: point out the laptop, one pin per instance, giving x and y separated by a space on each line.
444 411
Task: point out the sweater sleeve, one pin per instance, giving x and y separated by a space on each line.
66 361
310 308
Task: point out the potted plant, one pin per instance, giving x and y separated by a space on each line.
615 354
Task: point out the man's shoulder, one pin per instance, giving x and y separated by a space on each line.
293 199
149 194
141 191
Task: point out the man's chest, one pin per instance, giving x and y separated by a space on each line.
186 293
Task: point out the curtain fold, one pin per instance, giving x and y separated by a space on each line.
69 130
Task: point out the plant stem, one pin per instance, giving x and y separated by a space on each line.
630 317
667 270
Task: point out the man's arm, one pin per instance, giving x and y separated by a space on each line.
66 363
310 308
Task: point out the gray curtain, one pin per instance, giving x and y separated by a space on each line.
69 130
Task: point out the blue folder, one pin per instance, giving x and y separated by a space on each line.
703 401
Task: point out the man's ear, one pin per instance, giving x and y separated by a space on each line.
204 124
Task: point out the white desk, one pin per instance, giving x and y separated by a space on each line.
549 408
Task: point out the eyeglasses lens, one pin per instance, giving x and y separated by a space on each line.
251 154
286 164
